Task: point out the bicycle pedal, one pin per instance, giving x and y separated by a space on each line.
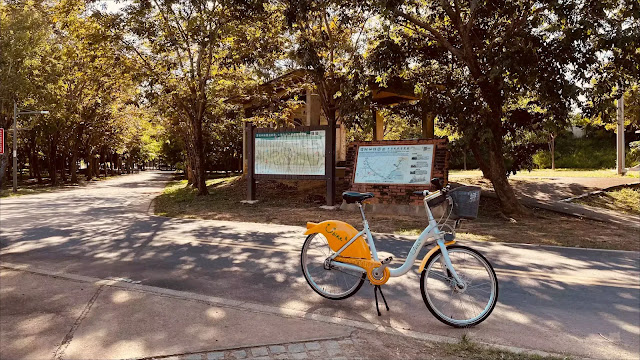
387 260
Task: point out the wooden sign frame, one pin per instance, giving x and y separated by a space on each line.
330 166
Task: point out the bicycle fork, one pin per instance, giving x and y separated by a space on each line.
447 262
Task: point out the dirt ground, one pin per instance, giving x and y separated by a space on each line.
626 199
548 188
295 203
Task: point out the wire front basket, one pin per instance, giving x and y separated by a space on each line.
466 200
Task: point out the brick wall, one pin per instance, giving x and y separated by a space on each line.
400 193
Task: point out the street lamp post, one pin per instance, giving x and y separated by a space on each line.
15 140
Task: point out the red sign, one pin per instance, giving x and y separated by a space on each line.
1 141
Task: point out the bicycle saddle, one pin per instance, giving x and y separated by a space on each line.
353 196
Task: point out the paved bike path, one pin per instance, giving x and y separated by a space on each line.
576 301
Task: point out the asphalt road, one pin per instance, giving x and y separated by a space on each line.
574 301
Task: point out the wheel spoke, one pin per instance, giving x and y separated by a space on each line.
333 283
460 307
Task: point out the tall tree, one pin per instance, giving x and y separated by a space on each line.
181 45
327 41
24 32
498 62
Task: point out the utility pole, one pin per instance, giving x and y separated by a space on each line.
620 137
15 146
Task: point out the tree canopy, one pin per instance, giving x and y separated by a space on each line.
499 71
156 79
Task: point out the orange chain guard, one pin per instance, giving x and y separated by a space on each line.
368 265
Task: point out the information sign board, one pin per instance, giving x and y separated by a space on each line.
290 153
394 164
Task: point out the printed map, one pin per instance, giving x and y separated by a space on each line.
292 153
396 164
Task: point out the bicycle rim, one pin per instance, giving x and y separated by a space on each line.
332 283
451 305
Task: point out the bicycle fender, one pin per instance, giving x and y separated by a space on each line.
339 233
433 250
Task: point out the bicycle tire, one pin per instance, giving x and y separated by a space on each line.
313 283
438 313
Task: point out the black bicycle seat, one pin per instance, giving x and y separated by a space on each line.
353 196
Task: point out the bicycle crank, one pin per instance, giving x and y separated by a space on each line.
377 271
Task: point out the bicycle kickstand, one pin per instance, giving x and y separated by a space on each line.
377 288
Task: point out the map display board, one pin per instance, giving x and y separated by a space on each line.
290 153
395 164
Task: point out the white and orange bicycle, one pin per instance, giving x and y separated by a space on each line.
458 284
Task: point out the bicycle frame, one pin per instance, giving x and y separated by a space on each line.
430 232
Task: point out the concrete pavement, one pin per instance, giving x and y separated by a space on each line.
574 301
70 317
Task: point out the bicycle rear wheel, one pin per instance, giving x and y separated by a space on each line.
331 283
449 303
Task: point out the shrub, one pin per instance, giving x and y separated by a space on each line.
542 159
598 152
633 155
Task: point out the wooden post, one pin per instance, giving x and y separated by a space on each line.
250 145
313 108
428 125
378 129
330 163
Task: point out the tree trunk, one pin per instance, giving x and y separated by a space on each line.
553 152
75 154
36 168
464 158
4 158
73 166
493 168
189 174
52 163
96 167
197 159
32 155
63 168
89 169
101 161
3 167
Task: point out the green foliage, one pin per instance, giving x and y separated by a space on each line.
633 155
605 114
542 159
503 74
191 56
56 56
597 152
326 42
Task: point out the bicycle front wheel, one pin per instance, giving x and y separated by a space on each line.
454 305
331 282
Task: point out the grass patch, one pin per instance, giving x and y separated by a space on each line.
467 349
626 200
296 202
594 173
